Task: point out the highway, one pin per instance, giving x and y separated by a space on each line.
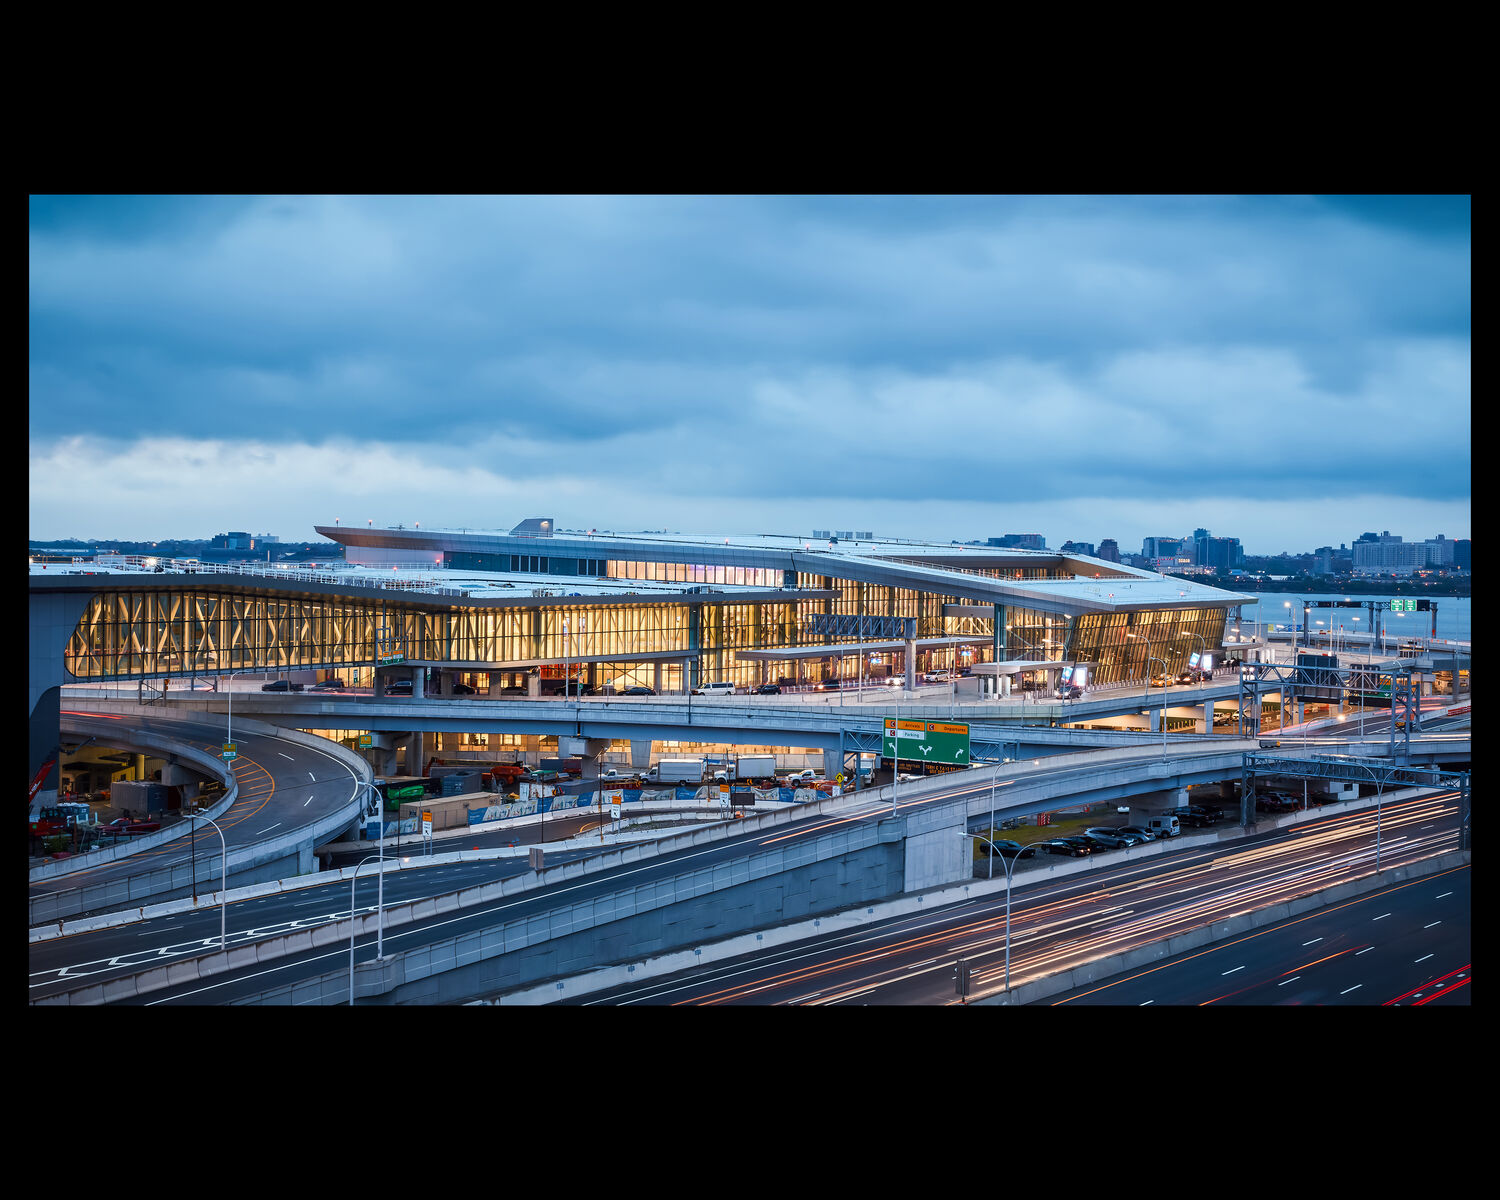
1061 924
1404 945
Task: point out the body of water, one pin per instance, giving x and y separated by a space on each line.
1452 615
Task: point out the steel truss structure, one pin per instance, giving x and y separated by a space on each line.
1312 682
1350 769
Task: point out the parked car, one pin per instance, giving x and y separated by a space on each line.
513 689
827 685
1071 692
1073 847
1139 832
1197 816
966 671
402 687
1276 802
796 777
280 685
327 685
124 825
1109 834
766 689
639 689
463 689
1105 841
720 687
1008 848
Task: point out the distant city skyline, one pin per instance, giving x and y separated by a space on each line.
1085 368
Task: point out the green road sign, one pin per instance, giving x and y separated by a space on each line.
927 741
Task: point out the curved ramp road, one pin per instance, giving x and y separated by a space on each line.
283 786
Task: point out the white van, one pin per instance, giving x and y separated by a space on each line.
715 689
1164 827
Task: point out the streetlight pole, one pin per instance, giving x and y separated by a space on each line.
380 886
1149 661
1009 863
895 757
353 880
223 876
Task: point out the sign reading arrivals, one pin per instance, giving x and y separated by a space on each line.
927 741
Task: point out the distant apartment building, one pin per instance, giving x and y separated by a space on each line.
1439 551
1393 557
1079 548
1161 547
1463 554
1109 550
1218 553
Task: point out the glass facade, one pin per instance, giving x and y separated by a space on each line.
130 632
1118 645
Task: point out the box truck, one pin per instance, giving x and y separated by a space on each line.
677 770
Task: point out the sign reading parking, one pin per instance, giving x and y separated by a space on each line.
927 741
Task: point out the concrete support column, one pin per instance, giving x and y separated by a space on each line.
1206 721
833 763
416 752
1156 718
533 686
1005 683
911 666
418 683
656 680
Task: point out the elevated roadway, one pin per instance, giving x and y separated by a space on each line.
645 898
292 791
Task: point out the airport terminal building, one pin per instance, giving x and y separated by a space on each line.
534 605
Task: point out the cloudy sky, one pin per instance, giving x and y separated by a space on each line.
1288 371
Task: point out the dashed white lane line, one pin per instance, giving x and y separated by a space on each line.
1366 950
1346 991
1293 979
1232 970
288 757
1424 957
1381 917
1317 939
1430 926
1440 895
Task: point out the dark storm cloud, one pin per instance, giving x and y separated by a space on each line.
915 346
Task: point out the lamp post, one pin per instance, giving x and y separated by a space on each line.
223 875
1010 865
1149 661
353 880
380 886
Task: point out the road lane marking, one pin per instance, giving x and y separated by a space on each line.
1241 967
1143 1003
1424 957
1430 926
1346 991
1316 939
1366 950
1441 895
1381 917
1293 979
288 757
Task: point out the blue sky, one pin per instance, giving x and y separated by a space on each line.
1291 371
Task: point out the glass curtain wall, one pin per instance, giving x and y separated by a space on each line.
1117 645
